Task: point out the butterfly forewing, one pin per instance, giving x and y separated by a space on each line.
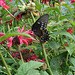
39 28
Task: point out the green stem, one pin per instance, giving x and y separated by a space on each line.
9 13
32 17
8 27
9 54
5 64
67 58
19 49
45 55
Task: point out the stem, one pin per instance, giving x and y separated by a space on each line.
20 54
9 54
67 58
9 13
8 27
45 55
5 64
32 17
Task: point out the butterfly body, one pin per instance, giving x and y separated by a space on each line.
39 28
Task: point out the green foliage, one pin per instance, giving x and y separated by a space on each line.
29 67
60 48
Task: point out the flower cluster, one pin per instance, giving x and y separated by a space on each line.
20 39
70 30
27 56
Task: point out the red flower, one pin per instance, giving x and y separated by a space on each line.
65 44
27 56
24 38
1 34
10 0
21 39
72 1
3 4
10 42
45 1
70 30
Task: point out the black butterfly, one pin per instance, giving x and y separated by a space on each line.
39 28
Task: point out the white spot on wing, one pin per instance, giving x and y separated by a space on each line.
38 22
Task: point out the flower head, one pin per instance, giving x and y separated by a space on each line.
24 38
72 1
20 39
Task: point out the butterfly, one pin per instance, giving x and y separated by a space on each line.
39 28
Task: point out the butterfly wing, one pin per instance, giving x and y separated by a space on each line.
39 28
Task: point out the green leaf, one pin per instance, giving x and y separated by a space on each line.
69 50
64 33
70 9
26 67
73 23
33 72
52 8
5 19
28 47
69 73
72 68
63 17
38 5
13 34
54 44
42 72
72 60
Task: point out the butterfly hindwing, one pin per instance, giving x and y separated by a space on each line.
39 28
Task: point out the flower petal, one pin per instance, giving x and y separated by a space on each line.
25 41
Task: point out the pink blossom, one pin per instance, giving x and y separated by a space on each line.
10 42
24 38
3 4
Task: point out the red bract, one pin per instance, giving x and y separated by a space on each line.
3 4
72 1
70 30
